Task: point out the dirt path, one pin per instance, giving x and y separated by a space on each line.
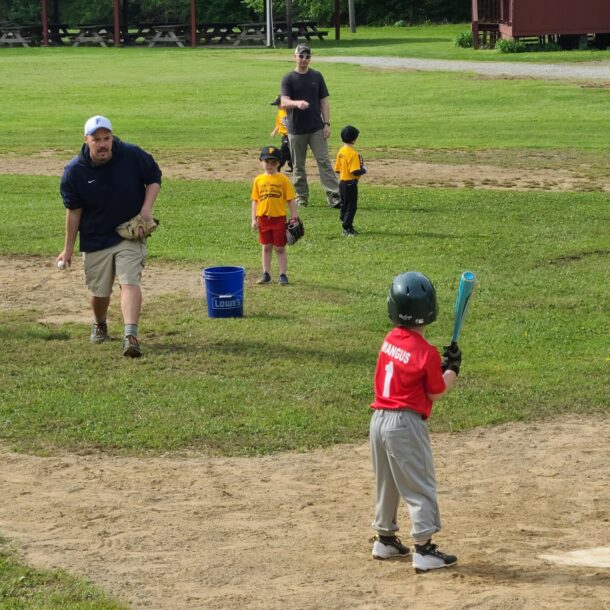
292 530
589 71
546 171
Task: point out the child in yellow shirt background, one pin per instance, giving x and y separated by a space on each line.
282 129
350 166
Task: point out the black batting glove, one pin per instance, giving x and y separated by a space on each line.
452 359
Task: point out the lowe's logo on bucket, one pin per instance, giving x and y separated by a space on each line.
226 301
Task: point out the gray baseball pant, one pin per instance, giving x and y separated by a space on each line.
319 148
402 462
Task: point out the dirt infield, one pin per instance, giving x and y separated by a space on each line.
292 530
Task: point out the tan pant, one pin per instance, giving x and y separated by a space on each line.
125 261
319 147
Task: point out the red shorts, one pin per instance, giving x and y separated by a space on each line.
272 230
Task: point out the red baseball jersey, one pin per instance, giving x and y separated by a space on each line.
408 369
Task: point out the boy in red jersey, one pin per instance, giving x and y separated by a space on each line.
409 377
272 195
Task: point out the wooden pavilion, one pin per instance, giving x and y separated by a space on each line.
492 19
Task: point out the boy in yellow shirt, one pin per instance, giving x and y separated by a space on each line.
281 128
350 166
272 195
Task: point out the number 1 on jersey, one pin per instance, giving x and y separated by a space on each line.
389 371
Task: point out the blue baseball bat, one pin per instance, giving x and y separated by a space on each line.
465 290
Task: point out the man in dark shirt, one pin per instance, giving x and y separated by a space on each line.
305 98
108 183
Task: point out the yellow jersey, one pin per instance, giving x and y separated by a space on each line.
347 162
272 192
281 122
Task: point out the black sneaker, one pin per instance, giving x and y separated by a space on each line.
99 332
389 547
131 347
283 279
350 232
427 557
264 279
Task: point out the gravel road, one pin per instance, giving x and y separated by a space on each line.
599 71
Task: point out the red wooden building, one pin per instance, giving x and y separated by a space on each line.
493 19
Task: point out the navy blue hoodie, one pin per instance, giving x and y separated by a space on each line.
107 194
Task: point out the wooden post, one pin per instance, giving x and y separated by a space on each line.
117 24
337 19
44 23
475 24
289 41
193 24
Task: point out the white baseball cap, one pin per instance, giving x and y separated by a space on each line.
97 122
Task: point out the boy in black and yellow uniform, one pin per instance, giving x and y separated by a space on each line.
281 128
350 166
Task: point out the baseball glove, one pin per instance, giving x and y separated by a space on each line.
294 231
131 228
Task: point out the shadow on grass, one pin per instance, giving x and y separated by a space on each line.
252 349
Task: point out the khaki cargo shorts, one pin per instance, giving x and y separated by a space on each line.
124 261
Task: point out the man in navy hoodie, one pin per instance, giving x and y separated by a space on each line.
108 183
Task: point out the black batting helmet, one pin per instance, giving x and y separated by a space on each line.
412 300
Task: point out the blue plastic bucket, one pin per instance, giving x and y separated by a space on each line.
224 290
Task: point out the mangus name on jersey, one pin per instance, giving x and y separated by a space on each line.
395 352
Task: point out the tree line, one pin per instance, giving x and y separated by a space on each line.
377 12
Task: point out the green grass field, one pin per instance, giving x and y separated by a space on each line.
296 371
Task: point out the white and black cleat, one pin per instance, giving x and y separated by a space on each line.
427 557
389 547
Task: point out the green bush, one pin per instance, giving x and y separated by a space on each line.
463 40
511 45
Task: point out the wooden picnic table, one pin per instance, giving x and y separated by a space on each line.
59 33
168 34
304 30
256 33
216 33
93 34
24 35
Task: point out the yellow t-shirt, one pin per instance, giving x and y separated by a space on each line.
348 161
281 122
272 192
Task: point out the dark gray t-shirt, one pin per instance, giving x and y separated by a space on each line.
310 87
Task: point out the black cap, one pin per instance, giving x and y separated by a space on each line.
276 101
349 134
270 152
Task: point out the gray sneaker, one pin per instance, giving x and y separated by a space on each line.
131 347
264 279
283 279
302 203
99 332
